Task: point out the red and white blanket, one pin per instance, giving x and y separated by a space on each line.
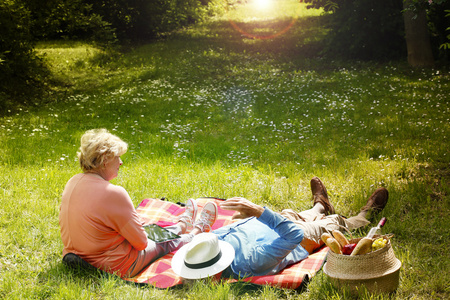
160 274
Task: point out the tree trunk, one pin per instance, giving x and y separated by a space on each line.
417 36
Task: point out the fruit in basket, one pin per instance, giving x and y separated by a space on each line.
333 245
348 249
378 244
340 237
364 246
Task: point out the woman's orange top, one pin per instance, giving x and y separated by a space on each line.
99 223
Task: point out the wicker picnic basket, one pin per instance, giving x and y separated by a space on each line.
378 271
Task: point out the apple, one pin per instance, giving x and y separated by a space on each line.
348 249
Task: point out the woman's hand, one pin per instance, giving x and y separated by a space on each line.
245 207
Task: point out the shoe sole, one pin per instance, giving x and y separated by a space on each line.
209 211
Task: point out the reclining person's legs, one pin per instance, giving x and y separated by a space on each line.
317 220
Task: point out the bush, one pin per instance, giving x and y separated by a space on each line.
364 29
143 19
22 74
439 20
368 30
69 19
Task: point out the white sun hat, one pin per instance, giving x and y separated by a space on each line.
204 256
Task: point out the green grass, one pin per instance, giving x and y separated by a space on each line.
208 111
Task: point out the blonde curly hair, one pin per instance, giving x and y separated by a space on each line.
97 147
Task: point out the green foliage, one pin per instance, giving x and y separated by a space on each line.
69 19
439 20
371 29
106 20
368 29
364 29
22 74
143 19
327 5
446 45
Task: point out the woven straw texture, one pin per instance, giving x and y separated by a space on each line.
367 266
376 270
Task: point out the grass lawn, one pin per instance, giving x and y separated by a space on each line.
242 105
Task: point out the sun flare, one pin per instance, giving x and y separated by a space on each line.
262 4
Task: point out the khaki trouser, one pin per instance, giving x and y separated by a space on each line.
314 224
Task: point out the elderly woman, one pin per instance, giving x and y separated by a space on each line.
98 220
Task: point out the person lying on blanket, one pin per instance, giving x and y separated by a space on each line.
266 242
98 220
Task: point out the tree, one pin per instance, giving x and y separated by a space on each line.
68 19
364 29
417 35
417 17
22 73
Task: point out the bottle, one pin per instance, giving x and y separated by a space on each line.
376 230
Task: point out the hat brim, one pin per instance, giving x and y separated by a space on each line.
182 270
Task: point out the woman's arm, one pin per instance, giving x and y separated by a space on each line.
124 218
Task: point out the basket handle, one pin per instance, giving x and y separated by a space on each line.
348 231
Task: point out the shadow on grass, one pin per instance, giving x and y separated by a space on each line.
220 44
74 277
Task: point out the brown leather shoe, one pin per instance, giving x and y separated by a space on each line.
377 201
320 195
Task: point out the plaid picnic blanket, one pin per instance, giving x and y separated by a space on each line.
161 275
